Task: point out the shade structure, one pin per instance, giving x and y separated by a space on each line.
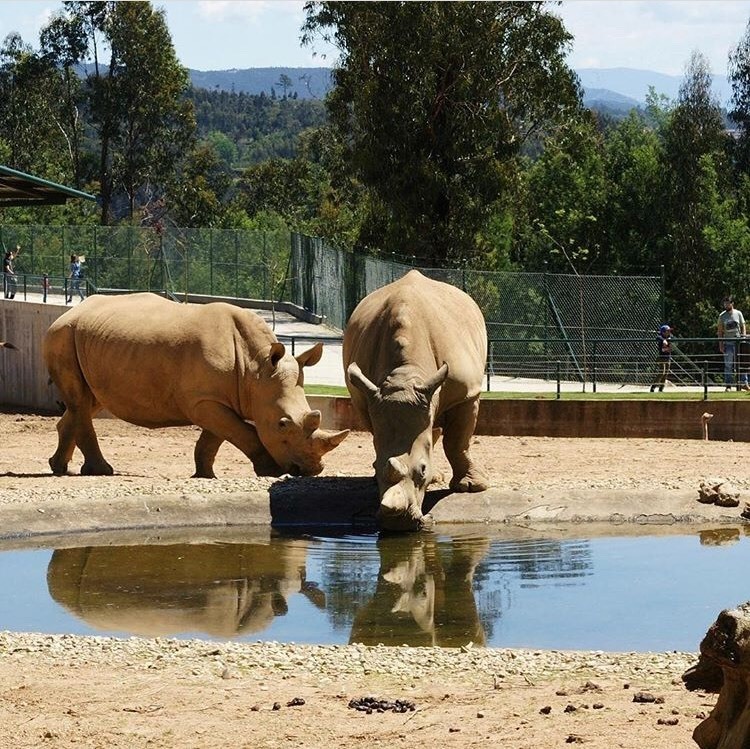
18 188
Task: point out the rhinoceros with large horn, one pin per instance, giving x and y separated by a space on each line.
414 353
157 363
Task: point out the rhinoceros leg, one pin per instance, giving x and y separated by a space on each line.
206 447
458 428
220 424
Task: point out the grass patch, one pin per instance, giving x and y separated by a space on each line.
673 395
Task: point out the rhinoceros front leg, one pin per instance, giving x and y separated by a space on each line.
221 424
459 423
76 428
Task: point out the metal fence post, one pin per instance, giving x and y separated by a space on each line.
704 377
593 367
557 367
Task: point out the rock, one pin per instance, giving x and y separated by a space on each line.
719 493
724 666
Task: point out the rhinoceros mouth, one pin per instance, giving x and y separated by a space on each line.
403 522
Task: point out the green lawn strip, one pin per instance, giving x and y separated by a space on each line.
713 394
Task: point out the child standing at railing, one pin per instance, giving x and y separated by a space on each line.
664 361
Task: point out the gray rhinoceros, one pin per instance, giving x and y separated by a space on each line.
414 354
157 363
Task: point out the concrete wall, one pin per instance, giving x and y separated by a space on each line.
24 384
23 376
551 418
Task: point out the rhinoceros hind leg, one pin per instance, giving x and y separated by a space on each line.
458 429
65 445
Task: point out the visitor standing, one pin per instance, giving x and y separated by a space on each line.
664 360
731 332
76 273
9 274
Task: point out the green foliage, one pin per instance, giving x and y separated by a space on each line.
431 101
258 127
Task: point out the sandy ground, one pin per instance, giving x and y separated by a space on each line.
94 692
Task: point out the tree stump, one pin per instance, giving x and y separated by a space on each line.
724 667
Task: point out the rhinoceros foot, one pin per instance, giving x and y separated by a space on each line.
96 468
58 468
473 481
204 475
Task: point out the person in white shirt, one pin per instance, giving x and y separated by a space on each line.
731 332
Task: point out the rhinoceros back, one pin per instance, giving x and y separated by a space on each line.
421 323
149 361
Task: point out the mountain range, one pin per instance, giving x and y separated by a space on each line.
618 89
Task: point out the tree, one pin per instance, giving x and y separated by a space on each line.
697 175
285 82
738 73
144 124
432 102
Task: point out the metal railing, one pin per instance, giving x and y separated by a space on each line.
534 365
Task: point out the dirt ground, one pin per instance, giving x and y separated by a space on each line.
89 692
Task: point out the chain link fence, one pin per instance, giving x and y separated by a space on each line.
534 320
215 262
539 324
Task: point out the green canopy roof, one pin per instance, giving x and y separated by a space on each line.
17 188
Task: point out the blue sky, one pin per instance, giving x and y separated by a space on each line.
647 34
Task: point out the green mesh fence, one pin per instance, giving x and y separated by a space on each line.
537 322
214 262
534 320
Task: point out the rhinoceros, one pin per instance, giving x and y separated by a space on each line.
414 353
157 363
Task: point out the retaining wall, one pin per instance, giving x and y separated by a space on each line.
552 418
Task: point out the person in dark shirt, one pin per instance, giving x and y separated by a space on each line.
76 273
9 274
664 360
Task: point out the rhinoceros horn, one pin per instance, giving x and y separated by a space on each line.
311 422
324 440
360 381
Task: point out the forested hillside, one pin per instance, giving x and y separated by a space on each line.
257 127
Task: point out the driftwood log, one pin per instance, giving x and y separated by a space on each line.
724 668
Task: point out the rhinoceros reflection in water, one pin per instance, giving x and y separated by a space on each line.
219 589
424 594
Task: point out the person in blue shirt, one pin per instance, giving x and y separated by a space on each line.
664 360
76 273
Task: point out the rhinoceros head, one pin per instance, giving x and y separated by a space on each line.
286 425
401 414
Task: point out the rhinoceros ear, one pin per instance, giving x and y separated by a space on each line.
311 356
360 381
277 353
395 470
434 382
